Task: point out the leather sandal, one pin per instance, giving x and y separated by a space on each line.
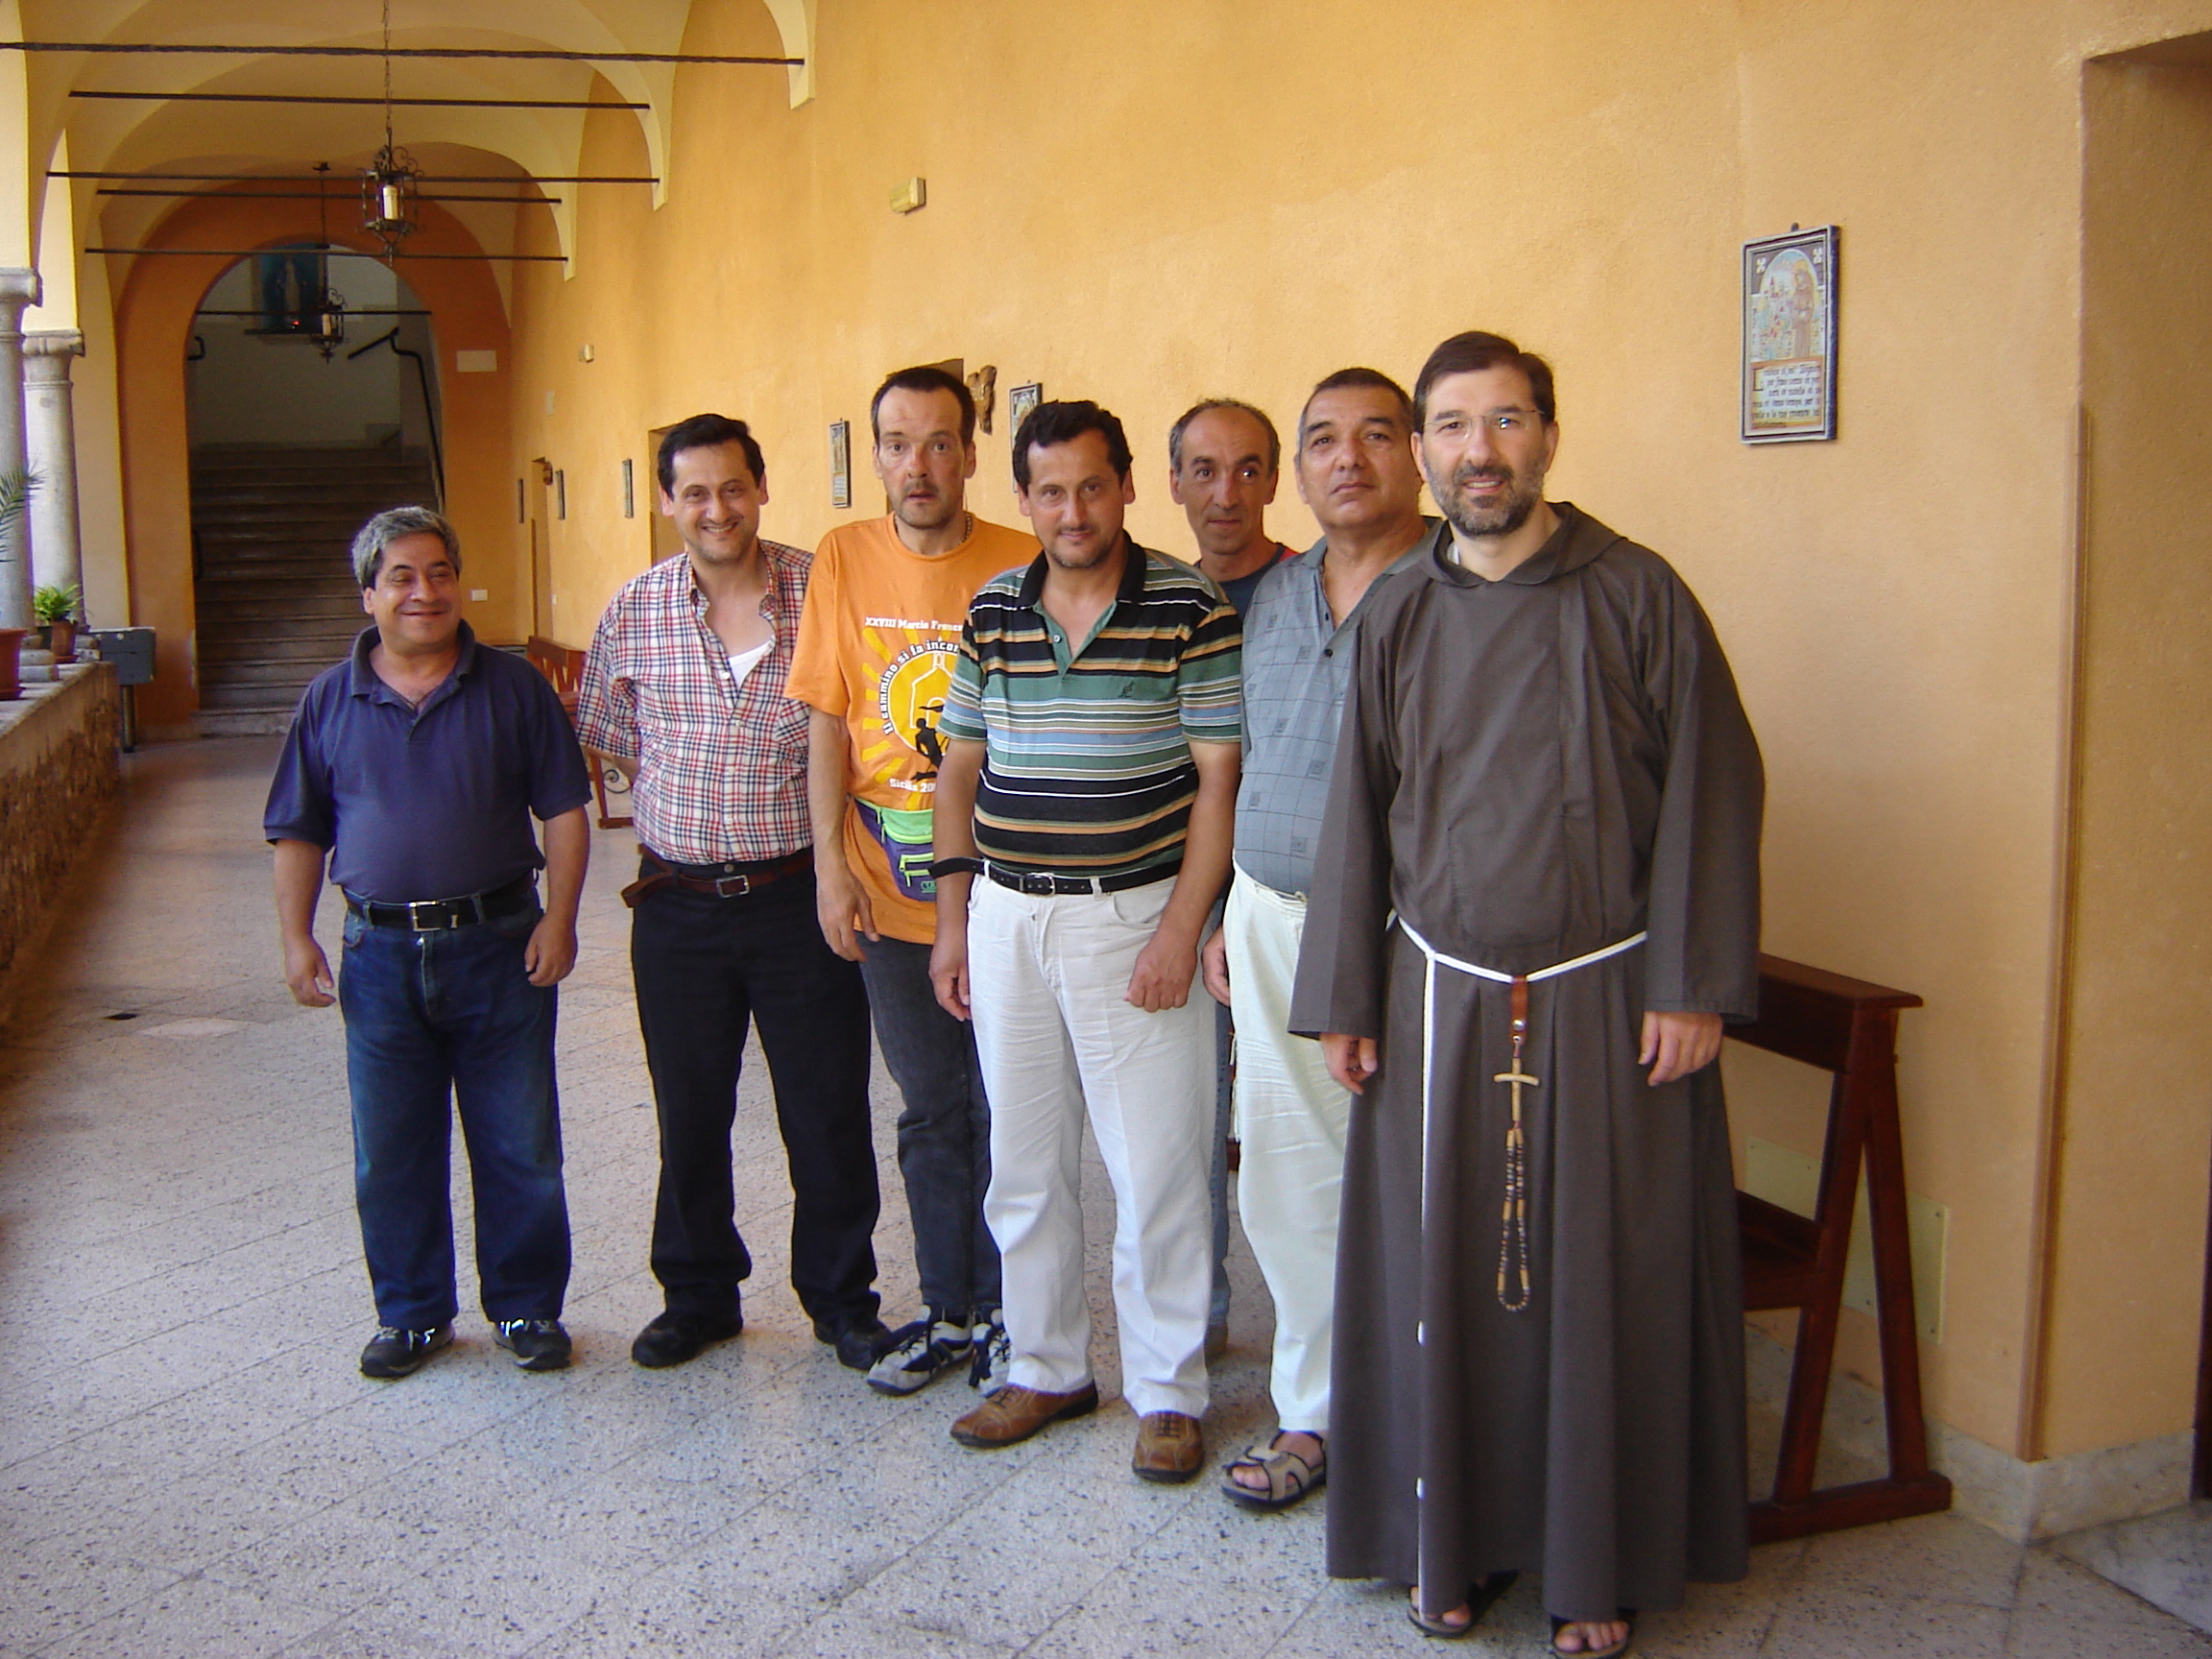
1481 1596
1625 1616
1290 1476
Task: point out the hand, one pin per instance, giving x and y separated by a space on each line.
551 952
839 902
1352 1060
948 969
308 974
1162 981
1680 1043
1213 966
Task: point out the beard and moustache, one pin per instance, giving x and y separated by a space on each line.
1522 491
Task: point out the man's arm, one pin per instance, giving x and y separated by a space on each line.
551 951
839 900
299 884
1167 963
954 822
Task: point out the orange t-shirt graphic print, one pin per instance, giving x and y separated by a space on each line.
875 648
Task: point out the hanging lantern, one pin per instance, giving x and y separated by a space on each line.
326 321
387 197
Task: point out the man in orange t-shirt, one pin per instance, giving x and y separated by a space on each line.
882 627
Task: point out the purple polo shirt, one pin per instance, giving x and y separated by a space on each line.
429 803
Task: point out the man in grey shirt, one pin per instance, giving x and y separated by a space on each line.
1355 471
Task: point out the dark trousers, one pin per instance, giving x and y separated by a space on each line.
432 1020
944 1132
704 969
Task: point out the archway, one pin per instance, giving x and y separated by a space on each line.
154 327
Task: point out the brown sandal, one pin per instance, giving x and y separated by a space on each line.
1290 1476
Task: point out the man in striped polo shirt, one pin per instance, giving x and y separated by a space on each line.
1090 779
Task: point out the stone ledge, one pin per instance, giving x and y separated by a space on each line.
60 769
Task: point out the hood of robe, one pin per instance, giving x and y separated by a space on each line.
1578 541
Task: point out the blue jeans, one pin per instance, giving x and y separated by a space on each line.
944 1132
432 1018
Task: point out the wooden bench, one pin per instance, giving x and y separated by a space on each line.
564 668
1848 1028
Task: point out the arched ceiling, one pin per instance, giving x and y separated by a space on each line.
181 137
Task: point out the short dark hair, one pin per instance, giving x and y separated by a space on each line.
1206 405
1050 424
706 432
1344 380
1472 353
925 377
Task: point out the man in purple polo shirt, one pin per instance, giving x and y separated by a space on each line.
412 771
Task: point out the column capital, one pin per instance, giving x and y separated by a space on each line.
49 354
19 286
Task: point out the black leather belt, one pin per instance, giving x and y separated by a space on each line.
1039 882
437 915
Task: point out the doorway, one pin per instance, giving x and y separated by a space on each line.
304 418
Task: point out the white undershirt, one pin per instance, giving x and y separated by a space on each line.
743 662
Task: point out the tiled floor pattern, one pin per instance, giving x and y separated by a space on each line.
189 1463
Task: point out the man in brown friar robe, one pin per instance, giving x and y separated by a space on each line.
1546 808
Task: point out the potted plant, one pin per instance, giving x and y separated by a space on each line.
55 609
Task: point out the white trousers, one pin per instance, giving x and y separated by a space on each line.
1292 1118
1048 978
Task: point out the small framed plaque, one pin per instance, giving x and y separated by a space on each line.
1790 294
1018 402
840 463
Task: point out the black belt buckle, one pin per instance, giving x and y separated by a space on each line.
733 887
1036 882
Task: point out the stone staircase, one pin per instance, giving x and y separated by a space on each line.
277 601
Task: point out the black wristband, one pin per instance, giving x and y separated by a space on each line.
956 867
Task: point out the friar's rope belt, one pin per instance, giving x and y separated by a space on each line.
1513 1240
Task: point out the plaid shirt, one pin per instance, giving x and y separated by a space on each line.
721 768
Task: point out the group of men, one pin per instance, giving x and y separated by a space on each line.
1458 818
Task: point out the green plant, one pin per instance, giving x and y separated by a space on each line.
52 603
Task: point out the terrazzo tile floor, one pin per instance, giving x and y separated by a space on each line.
189 1462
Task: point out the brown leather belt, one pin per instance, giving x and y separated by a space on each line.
733 881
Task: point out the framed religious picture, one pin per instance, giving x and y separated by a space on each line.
1790 337
1018 402
840 463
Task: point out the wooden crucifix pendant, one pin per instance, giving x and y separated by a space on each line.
1513 1236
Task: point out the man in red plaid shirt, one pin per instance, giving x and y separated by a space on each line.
684 688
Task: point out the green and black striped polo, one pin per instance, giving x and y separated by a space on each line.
1087 764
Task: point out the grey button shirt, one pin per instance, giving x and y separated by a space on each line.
1297 669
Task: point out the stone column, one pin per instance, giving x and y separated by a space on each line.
19 288
50 410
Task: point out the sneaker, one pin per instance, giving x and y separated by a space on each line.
920 1354
536 1344
396 1353
992 1367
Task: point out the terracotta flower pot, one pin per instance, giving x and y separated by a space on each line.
10 663
62 640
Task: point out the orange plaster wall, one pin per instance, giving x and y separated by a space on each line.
1153 202
152 327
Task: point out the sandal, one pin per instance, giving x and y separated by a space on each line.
1625 1615
1290 1476
1481 1597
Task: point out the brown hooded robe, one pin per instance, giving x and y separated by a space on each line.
1531 769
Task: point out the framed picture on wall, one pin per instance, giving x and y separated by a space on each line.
1018 402
1789 303
840 463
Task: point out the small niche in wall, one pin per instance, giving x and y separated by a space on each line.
629 488
559 493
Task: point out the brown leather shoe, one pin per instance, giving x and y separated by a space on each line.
1015 1413
1170 1447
